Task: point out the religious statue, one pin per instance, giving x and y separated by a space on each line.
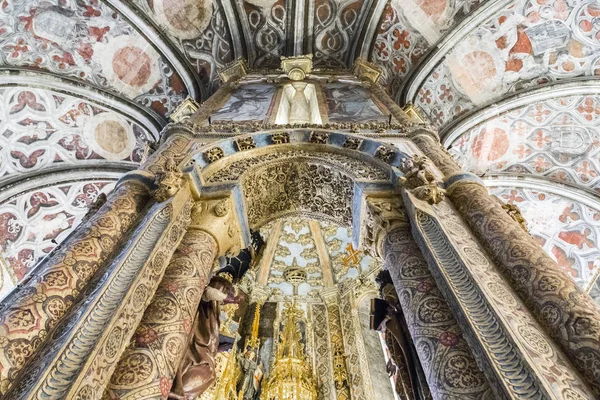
388 317
197 369
252 370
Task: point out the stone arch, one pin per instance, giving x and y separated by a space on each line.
317 174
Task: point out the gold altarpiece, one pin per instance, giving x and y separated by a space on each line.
329 170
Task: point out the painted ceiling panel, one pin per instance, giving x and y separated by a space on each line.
408 29
85 39
334 29
266 22
530 43
566 229
32 224
199 29
557 138
40 128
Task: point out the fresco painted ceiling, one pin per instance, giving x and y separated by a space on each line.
85 84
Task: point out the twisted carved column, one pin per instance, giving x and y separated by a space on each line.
38 303
148 366
567 313
449 366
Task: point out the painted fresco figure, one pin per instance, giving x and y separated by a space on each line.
197 370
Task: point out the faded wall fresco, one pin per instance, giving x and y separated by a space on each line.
40 128
249 102
351 103
527 44
557 138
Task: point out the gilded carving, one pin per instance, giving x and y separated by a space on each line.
280 138
246 143
319 137
352 143
185 110
297 67
214 154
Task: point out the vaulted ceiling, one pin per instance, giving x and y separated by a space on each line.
511 85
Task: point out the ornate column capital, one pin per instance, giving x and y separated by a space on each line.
218 218
419 177
381 215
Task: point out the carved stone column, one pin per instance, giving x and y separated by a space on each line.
359 377
567 313
148 366
336 340
81 353
39 302
448 363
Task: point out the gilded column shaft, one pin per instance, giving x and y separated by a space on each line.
39 302
568 314
81 353
450 368
160 340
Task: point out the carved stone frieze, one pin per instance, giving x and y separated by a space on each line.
352 143
353 167
319 137
303 187
218 217
385 154
280 138
420 180
381 216
214 154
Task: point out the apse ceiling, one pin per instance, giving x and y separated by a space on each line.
511 85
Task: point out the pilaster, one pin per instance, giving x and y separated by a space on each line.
336 340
